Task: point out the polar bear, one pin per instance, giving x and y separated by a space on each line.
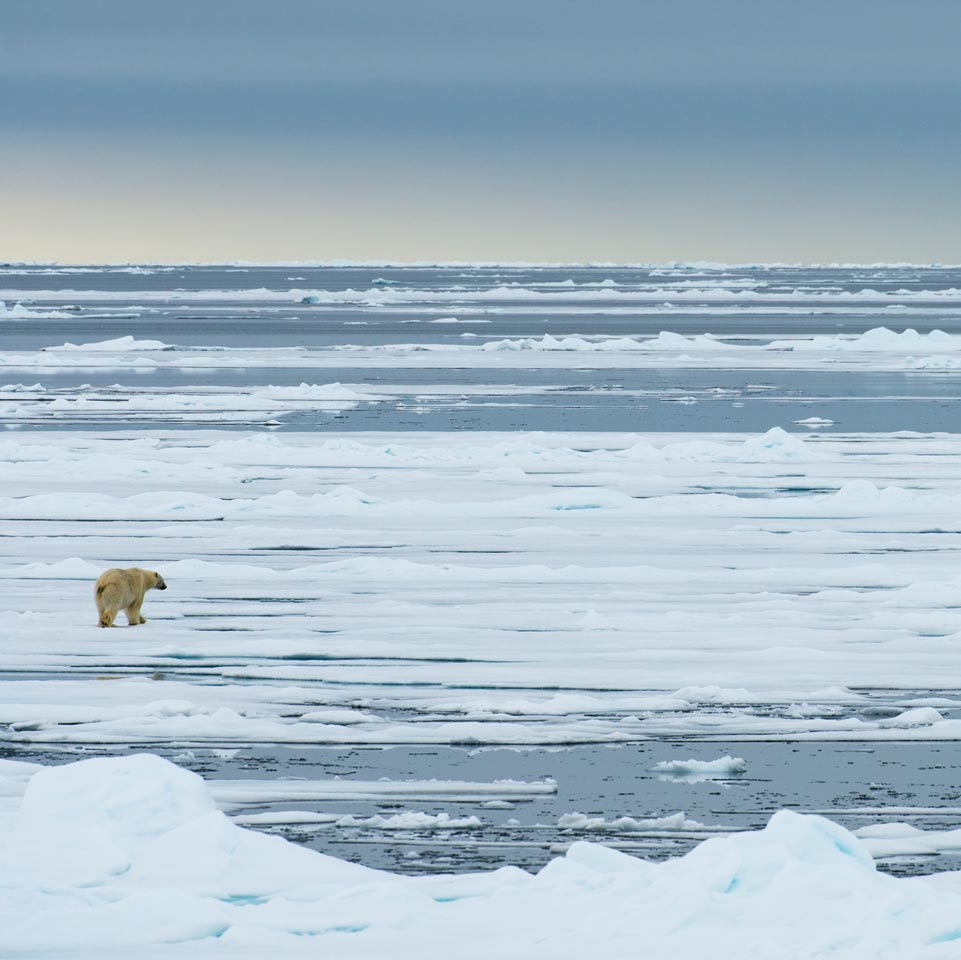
124 590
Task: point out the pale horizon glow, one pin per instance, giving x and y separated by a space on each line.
634 133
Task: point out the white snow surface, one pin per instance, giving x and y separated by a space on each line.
129 856
496 589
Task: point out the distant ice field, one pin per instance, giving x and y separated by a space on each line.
679 348
569 512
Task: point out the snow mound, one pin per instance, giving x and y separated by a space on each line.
73 568
918 717
119 345
132 850
876 340
566 344
775 446
109 804
665 341
314 391
128 854
778 444
726 766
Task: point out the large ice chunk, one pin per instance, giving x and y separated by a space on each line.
129 854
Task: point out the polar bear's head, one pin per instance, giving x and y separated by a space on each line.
158 580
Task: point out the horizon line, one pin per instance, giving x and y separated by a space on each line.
514 264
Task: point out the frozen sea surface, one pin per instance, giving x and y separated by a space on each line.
609 518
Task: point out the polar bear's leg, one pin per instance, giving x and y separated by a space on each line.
110 599
133 614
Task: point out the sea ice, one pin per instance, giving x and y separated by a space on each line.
118 345
876 339
19 312
519 603
673 822
722 767
110 857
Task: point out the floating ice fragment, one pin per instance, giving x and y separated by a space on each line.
675 821
726 766
918 717
119 345
20 312
411 821
878 339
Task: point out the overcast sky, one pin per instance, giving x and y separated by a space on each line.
183 130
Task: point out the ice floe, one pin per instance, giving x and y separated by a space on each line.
255 403
409 820
722 767
877 348
877 339
118 345
18 311
519 605
581 822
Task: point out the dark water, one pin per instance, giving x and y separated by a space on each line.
775 278
568 400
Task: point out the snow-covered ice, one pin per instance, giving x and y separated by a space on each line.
503 578
118 345
108 857
879 348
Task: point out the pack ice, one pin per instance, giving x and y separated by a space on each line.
502 577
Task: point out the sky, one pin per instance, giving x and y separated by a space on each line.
546 130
